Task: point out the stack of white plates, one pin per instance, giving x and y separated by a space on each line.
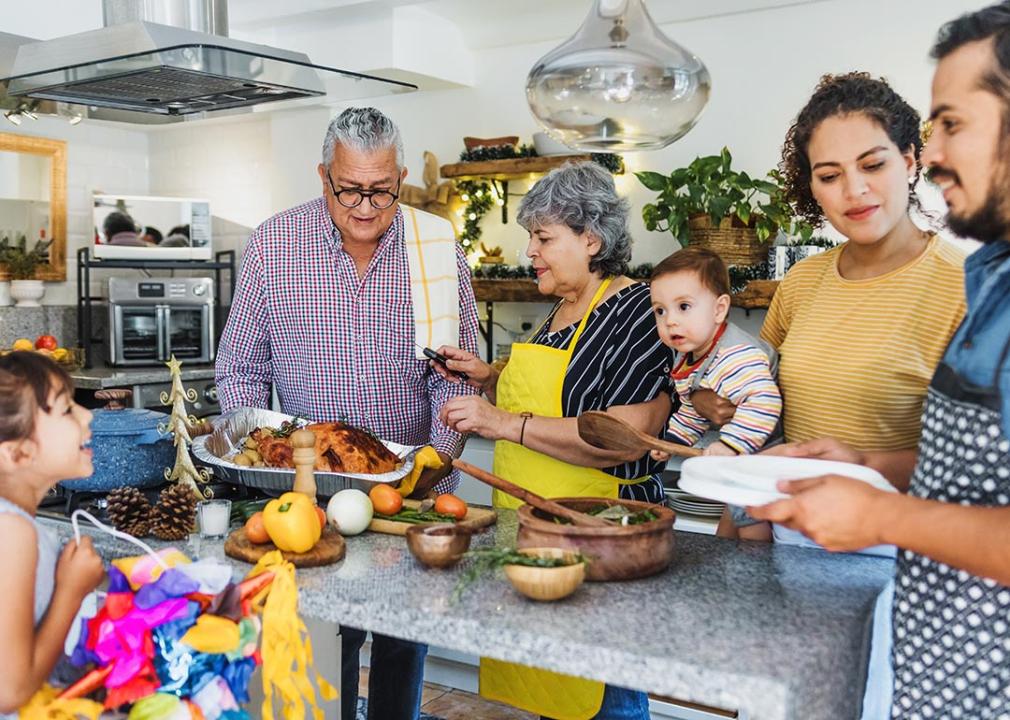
684 502
753 479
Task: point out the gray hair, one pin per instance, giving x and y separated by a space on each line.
582 196
364 129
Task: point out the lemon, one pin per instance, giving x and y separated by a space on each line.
61 354
426 457
23 344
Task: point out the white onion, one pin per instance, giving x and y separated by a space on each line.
350 511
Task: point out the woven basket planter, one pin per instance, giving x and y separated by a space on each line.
735 245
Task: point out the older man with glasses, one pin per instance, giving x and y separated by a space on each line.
335 302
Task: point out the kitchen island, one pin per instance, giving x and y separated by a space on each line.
778 632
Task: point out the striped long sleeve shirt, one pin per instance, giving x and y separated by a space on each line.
334 345
740 373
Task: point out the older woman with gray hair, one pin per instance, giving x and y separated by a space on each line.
597 350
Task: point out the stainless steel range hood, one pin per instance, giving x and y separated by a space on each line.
166 59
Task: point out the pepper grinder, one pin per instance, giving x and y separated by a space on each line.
304 456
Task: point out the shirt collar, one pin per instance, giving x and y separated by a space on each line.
393 233
988 261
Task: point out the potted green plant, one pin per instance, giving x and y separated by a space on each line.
709 203
21 266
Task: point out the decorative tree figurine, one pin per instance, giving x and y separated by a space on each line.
183 427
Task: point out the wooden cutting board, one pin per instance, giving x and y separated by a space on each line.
476 518
328 550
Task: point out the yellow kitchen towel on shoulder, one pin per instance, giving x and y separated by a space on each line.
856 356
434 279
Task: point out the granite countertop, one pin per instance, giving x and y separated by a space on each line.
102 376
779 632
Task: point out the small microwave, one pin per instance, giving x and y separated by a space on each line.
150 320
128 227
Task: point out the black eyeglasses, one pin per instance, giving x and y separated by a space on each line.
352 197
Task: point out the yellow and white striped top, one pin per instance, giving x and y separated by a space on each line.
858 355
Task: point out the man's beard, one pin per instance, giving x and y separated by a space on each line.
991 222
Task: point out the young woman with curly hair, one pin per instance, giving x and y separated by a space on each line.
859 328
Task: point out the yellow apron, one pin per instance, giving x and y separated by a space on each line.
532 382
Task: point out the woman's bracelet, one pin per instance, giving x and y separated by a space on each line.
522 431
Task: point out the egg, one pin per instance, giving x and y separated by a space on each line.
350 511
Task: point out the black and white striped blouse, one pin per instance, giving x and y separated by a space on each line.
619 360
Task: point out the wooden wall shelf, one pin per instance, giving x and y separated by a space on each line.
509 168
757 295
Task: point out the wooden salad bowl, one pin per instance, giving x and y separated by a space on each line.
615 552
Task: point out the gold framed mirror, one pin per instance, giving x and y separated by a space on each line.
33 198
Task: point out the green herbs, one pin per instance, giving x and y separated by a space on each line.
487 560
242 510
287 427
417 517
617 514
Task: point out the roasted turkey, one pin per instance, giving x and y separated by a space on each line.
339 448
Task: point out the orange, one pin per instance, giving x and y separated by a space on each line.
321 514
385 499
23 344
451 505
255 530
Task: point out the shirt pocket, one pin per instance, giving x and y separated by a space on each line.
395 348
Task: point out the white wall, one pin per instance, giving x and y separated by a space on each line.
101 157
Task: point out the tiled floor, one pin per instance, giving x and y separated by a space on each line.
452 704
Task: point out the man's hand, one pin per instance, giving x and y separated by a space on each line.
430 477
474 414
820 449
838 513
714 408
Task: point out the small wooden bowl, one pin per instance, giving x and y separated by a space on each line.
438 546
547 583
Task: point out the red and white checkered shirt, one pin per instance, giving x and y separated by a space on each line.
336 346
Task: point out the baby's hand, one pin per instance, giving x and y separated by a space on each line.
79 569
659 455
720 449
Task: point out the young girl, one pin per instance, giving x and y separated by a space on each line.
43 439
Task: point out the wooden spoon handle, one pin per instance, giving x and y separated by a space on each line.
532 498
673 448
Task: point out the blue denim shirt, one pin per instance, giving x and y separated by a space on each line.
978 345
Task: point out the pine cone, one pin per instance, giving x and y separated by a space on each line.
175 513
129 511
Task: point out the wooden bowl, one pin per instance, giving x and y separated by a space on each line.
614 553
547 583
438 546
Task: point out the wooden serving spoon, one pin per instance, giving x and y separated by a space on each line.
541 503
609 432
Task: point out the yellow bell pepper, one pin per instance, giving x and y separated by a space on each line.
426 457
292 523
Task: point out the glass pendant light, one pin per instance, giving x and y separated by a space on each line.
618 84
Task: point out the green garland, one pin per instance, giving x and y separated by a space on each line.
497 152
479 200
739 275
517 272
479 197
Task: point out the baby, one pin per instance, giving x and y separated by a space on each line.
691 298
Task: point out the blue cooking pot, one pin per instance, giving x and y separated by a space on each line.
128 450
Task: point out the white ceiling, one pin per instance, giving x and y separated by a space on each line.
484 23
